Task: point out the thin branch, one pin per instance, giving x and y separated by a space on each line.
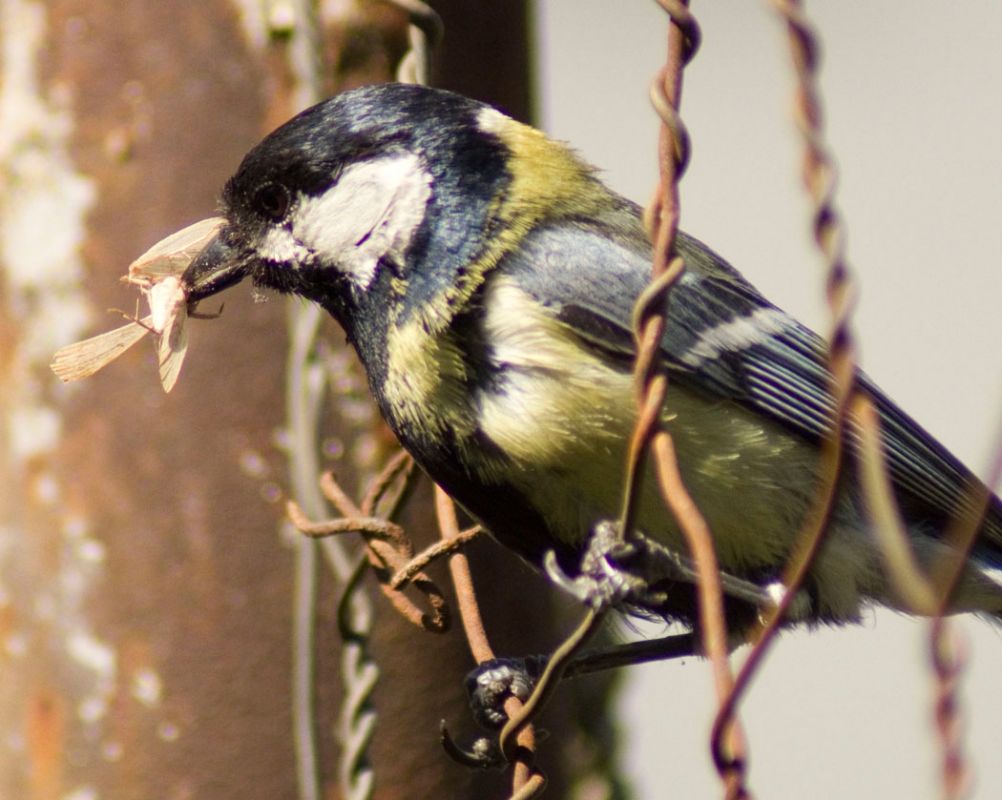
527 780
903 570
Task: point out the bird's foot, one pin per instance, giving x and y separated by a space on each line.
621 570
494 681
617 570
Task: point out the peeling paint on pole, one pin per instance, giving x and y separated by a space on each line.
44 201
43 204
121 610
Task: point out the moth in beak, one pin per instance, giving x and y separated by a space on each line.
158 274
218 265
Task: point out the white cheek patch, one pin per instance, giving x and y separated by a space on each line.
372 212
279 245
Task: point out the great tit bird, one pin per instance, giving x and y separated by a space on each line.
486 277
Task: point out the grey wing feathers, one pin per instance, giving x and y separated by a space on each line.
724 338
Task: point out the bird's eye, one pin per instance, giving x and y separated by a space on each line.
273 200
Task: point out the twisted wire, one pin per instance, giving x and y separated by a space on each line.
948 655
518 740
424 32
649 327
360 674
818 174
307 385
303 402
662 219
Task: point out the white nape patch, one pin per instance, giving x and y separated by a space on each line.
370 213
739 333
492 121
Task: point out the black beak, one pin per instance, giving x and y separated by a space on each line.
218 266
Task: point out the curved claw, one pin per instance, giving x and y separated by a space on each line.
483 754
561 579
601 583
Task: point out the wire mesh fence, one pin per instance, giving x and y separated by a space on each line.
313 379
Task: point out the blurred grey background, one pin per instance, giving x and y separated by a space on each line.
913 99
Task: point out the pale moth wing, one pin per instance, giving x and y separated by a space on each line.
157 272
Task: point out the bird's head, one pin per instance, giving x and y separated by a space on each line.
390 200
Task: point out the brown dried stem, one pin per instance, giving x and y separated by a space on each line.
699 539
388 549
527 780
906 576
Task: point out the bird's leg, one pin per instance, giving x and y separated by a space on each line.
618 571
492 682
615 572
